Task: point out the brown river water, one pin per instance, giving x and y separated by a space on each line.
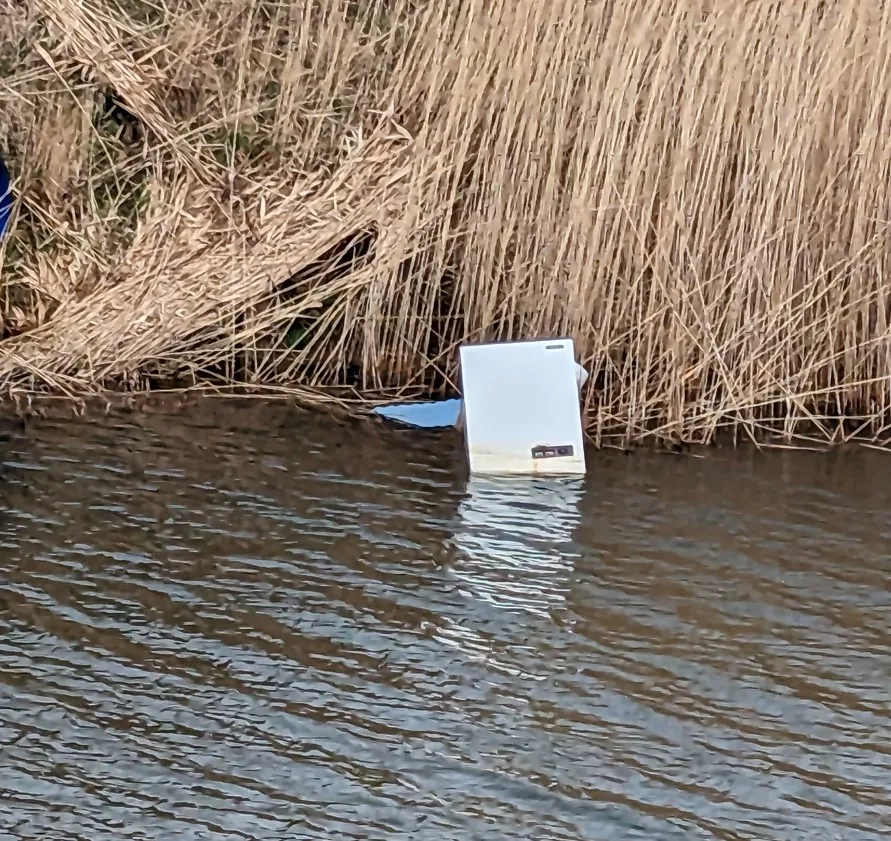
246 622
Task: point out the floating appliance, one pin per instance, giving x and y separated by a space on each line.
521 407
520 410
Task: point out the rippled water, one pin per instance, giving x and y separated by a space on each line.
248 623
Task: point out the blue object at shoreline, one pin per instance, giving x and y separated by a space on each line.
5 197
441 413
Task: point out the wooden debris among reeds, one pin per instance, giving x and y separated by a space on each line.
333 195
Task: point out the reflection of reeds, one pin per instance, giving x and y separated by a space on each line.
696 190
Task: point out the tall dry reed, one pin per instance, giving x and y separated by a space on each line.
336 193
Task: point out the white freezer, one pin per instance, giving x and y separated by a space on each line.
521 407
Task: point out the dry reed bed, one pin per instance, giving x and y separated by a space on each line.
697 192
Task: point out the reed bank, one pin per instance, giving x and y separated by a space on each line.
332 196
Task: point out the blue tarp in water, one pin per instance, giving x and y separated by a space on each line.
5 197
442 413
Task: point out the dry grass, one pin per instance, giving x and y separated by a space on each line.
698 191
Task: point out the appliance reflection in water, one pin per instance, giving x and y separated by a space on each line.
515 542
514 538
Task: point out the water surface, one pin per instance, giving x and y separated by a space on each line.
245 622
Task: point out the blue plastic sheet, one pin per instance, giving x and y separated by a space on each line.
435 415
5 197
